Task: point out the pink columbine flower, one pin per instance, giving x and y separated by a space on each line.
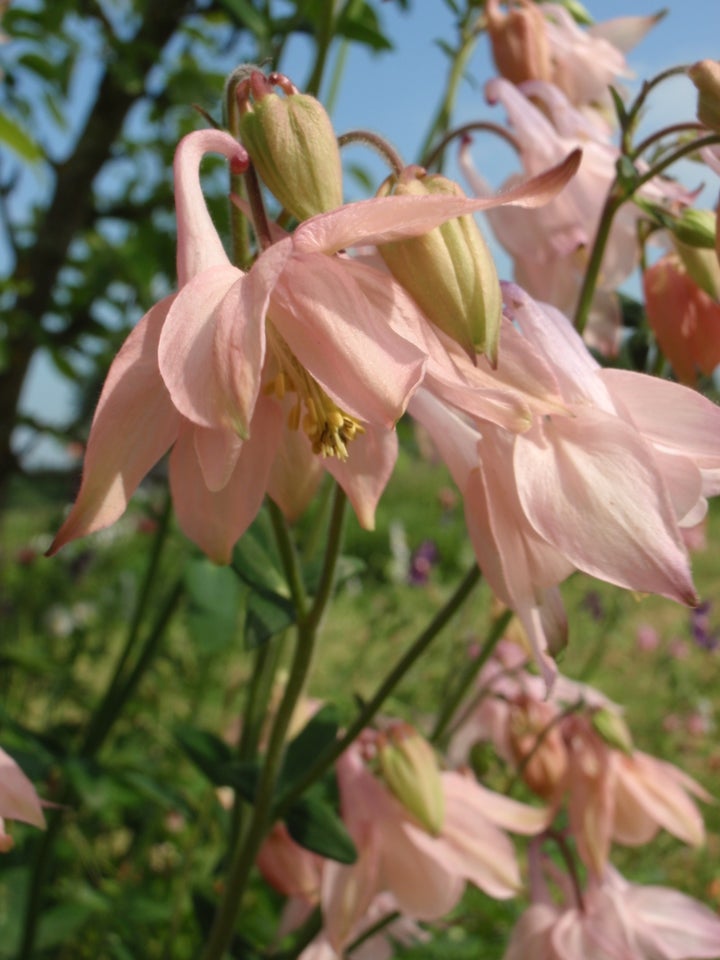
573 749
208 369
425 873
18 800
618 921
602 485
550 246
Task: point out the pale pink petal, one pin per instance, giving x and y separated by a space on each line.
239 343
215 521
134 425
418 870
187 347
589 487
347 892
335 317
386 219
296 473
365 474
531 935
669 415
672 926
501 810
625 32
217 452
655 788
198 245
552 334
18 798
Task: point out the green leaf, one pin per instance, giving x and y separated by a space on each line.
628 174
215 598
19 140
359 23
619 105
209 753
254 559
267 615
247 16
319 731
313 824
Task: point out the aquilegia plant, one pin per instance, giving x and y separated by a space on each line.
295 349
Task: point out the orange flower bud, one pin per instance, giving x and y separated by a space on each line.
538 747
519 42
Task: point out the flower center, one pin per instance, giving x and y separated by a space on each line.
328 428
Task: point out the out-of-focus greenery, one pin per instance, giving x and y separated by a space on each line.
143 832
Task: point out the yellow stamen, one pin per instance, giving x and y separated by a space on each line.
328 428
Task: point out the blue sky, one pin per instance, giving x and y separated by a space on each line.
396 94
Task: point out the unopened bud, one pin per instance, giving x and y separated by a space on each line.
410 769
610 725
702 267
538 747
695 228
519 42
706 77
448 271
292 145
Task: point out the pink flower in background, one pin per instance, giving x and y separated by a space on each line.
617 921
205 368
18 800
550 246
544 42
573 748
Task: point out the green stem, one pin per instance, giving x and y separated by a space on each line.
616 197
239 228
467 128
328 756
104 714
637 105
665 132
263 812
323 38
612 204
469 675
468 37
289 560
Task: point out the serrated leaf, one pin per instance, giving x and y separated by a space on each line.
19 140
317 733
314 825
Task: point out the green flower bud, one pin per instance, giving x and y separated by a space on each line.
409 768
292 145
448 271
702 266
706 77
695 228
613 729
